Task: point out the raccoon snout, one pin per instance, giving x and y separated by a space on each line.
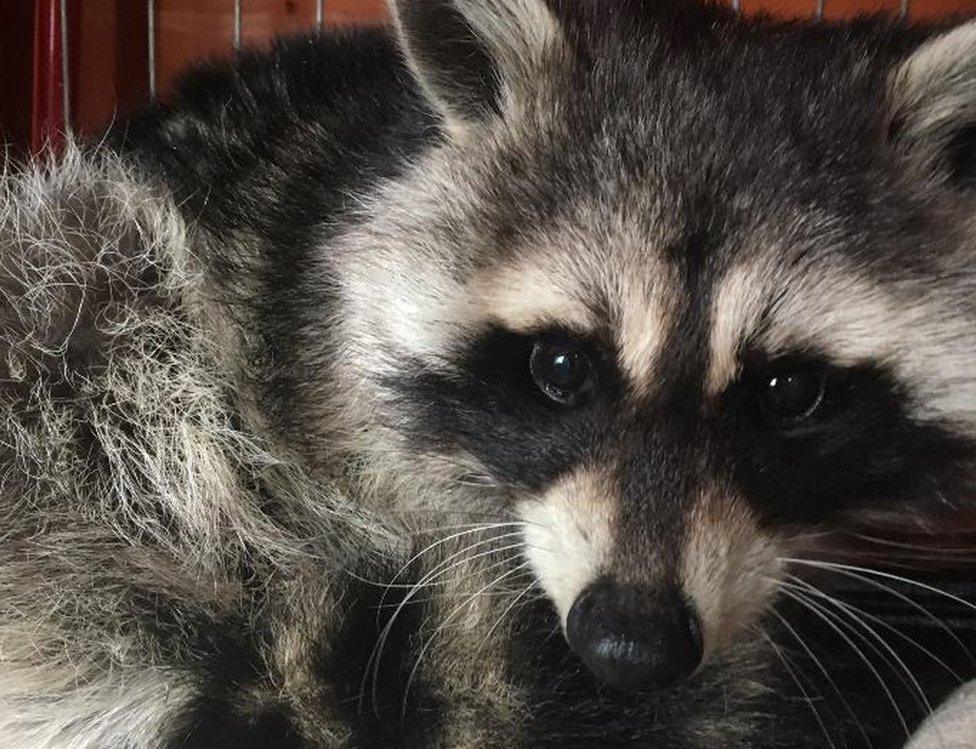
631 645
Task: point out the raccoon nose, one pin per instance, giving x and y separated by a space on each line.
634 647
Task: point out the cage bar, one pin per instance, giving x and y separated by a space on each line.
65 70
48 95
151 46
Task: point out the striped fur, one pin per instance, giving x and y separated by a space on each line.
274 469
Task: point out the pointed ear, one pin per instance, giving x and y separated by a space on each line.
933 108
474 58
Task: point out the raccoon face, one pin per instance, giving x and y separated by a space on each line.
683 291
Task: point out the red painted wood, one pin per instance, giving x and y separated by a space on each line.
109 74
17 55
47 105
933 9
341 12
780 8
837 9
107 48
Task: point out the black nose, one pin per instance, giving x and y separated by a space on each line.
634 641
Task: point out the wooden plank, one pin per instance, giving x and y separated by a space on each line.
837 9
48 110
16 41
263 19
93 67
345 12
780 8
108 43
932 9
108 69
187 31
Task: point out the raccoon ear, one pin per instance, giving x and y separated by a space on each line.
474 58
932 119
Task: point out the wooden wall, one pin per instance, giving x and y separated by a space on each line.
16 44
114 42
109 43
108 49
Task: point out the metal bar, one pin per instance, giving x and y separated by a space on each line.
65 70
906 6
47 95
737 5
818 12
151 45
237 24
319 13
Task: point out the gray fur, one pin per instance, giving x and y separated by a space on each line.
228 347
127 485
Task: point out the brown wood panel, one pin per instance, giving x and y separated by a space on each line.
263 19
16 54
930 9
188 30
780 8
109 74
92 44
340 12
108 68
837 9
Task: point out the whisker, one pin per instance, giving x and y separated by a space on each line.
846 571
510 606
373 663
447 595
817 610
880 541
912 680
799 684
407 586
823 669
476 528
426 581
439 571
455 526
457 609
439 568
887 575
881 622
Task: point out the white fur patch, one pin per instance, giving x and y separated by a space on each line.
568 535
839 311
527 296
739 304
935 88
130 711
952 726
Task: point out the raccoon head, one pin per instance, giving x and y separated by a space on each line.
683 290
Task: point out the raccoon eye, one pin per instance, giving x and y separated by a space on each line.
787 398
561 370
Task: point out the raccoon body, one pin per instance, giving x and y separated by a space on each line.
443 387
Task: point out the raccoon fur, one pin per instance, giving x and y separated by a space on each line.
515 377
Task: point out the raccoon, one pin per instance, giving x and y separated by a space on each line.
488 382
